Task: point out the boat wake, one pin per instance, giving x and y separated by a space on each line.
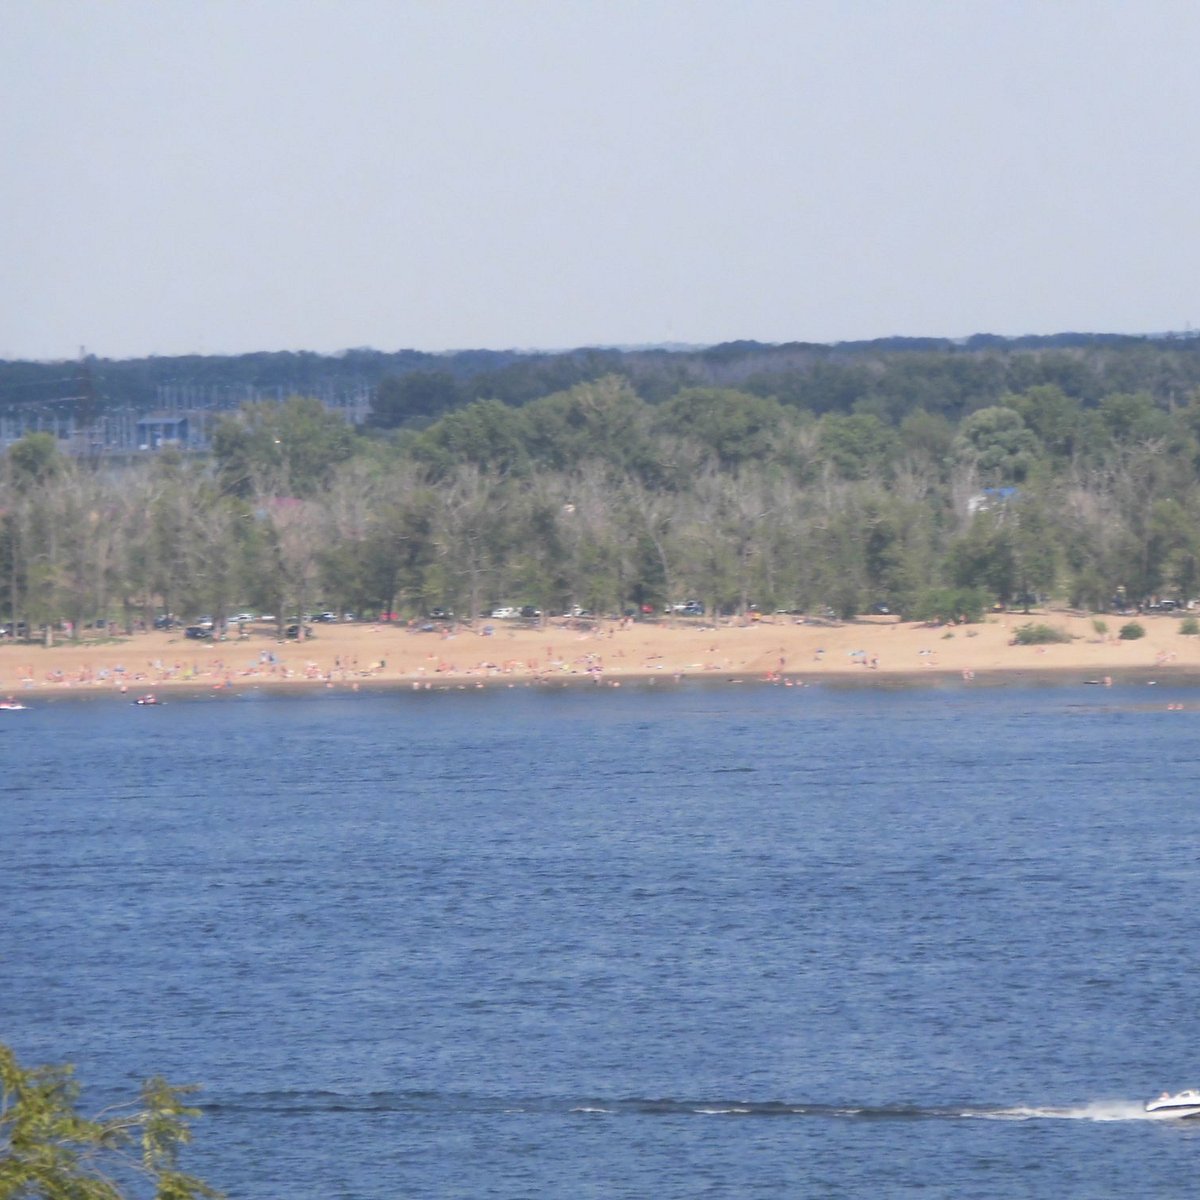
1095 1110
413 1102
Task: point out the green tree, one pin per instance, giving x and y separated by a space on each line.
1054 417
1034 547
985 556
840 566
947 604
486 435
926 437
1132 416
35 478
734 426
288 449
997 441
1173 550
599 542
50 1151
418 397
472 536
293 530
35 458
858 444
726 538
604 419
888 530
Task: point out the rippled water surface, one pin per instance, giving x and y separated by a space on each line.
712 941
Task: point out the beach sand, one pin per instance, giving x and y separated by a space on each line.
778 649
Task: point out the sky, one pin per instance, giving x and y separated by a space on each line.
226 176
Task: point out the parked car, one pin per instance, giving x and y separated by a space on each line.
293 631
507 613
528 611
440 614
690 608
326 618
198 632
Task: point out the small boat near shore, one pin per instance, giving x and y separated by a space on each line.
11 705
1178 1104
147 699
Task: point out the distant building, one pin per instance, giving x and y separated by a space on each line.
156 430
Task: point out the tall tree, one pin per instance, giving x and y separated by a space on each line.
288 449
998 443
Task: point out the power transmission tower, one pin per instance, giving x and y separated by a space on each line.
86 434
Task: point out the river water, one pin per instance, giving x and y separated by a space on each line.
715 940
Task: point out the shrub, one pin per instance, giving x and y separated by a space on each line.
1039 635
948 604
1131 631
1189 626
1101 627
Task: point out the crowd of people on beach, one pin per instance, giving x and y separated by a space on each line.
557 654
267 667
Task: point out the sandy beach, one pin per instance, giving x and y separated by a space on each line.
780 649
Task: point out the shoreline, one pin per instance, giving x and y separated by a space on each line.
874 653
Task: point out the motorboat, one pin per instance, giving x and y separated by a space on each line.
148 698
11 705
1179 1104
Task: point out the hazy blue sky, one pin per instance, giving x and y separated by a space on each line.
219 176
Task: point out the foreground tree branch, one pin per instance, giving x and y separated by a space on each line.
51 1151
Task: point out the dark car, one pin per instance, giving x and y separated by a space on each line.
293 631
528 611
198 632
440 614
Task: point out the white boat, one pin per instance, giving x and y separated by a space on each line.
1179 1104
11 705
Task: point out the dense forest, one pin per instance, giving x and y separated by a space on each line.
888 376
928 478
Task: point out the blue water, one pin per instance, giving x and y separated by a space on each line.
719 941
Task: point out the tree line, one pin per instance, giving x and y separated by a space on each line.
596 498
889 376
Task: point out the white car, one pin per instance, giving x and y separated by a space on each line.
504 614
